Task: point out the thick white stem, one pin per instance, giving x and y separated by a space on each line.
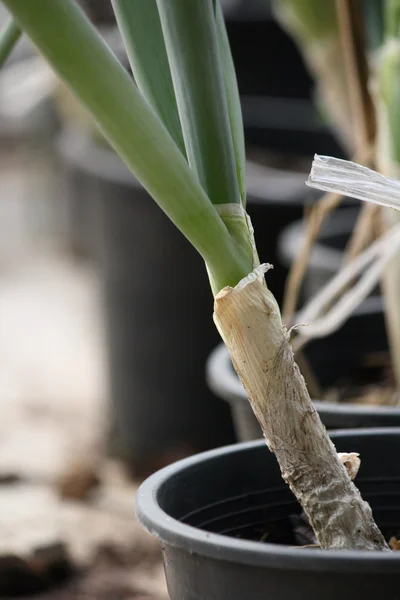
249 321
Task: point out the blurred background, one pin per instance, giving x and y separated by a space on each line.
103 342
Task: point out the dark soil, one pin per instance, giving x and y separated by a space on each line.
372 384
296 531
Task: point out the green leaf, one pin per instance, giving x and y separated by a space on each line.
8 38
78 54
389 75
139 23
389 81
233 101
192 46
392 18
308 20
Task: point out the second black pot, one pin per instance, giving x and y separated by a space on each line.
327 254
334 357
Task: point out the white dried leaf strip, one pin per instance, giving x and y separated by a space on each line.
351 179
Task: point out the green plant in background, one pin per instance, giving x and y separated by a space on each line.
331 37
315 29
314 26
386 84
180 131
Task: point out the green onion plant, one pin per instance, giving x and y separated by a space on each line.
178 127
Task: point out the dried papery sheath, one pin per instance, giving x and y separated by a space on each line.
351 179
351 461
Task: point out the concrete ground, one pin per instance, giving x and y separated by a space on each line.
67 525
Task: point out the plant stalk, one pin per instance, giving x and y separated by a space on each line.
249 322
197 49
191 40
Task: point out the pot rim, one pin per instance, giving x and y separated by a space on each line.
174 533
224 382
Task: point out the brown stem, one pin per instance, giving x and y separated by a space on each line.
364 232
313 224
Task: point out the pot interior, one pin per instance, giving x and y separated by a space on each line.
240 493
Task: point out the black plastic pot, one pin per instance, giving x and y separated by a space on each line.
340 355
158 307
334 357
290 125
223 381
256 41
279 112
208 510
77 198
